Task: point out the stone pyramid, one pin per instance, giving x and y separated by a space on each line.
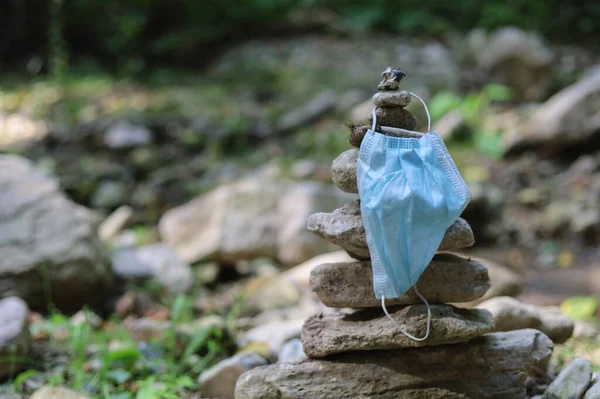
355 351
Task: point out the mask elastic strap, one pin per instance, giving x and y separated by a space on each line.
422 102
374 119
398 325
426 110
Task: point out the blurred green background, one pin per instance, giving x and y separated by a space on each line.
136 35
143 107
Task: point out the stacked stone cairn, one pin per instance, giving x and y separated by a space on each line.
355 351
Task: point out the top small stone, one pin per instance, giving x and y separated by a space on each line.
391 79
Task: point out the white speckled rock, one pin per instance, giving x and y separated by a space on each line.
493 366
350 284
15 339
370 329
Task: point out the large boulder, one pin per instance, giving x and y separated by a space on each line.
519 59
569 118
491 366
255 217
350 284
50 250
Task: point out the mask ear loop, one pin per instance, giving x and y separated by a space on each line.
374 125
374 119
398 325
415 286
426 110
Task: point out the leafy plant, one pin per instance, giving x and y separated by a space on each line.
580 307
472 108
80 335
23 377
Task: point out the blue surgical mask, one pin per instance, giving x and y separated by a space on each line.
411 192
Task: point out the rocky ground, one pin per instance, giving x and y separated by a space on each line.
150 252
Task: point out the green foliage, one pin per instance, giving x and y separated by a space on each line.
442 103
575 348
580 307
472 108
123 357
133 31
80 335
58 53
128 35
107 363
24 376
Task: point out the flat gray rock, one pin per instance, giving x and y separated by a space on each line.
572 382
511 314
345 227
568 118
350 284
370 329
493 366
49 246
343 171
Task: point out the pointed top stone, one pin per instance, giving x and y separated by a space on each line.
391 79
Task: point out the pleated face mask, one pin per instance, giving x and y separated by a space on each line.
411 192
